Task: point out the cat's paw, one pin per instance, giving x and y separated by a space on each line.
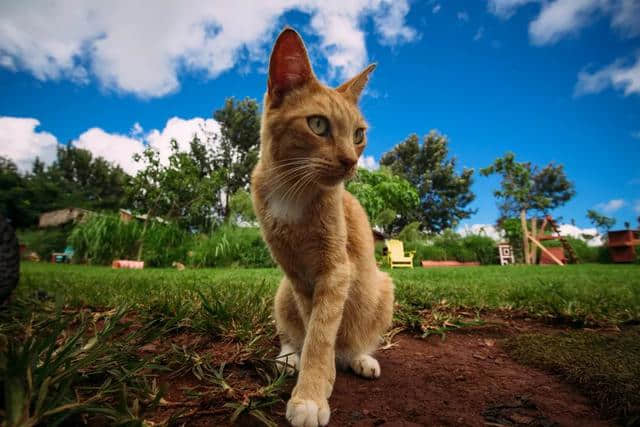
365 366
288 360
307 412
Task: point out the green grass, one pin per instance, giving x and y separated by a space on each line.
605 366
585 294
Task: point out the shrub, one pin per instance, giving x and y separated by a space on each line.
100 239
484 248
231 246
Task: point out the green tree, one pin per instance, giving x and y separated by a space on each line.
444 194
383 195
184 190
236 147
601 222
524 187
241 207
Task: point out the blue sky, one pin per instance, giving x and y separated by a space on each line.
551 81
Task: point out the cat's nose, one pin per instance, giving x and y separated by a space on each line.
347 161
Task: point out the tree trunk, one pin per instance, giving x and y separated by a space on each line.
144 231
525 240
534 250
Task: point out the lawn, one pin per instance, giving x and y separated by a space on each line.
111 340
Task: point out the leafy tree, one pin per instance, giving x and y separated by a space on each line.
601 222
241 207
236 147
383 195
184 190
74 179
444 194
524 187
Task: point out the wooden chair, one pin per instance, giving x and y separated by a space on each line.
397 256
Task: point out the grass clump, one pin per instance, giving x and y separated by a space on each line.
605 366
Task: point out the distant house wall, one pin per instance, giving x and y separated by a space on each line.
61 216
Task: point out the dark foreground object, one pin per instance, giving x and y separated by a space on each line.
9 260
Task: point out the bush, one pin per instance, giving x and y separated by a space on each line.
231 246
484 248
100 239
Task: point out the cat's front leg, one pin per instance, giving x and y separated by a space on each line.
308 405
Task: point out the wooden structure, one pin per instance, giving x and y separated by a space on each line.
549 255
505 252
622 245
397 257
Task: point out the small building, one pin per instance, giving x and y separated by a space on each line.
61 216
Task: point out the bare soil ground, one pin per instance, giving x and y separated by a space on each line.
466 379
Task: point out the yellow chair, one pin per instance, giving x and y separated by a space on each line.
397 256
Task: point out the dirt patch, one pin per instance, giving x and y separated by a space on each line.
467 379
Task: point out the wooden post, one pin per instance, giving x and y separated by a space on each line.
545 250
525 234
534 252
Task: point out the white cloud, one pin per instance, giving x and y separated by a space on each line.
479 34
622 75
560 18
436 8
481 230
506 8
141 47
115 148
463 16
183 132
20 142
368 162
589 235
612 205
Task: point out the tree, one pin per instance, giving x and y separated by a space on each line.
444 194
383 195
236 147
601 222
184 190
241 207
525 187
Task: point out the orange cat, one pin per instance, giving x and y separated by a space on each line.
333 303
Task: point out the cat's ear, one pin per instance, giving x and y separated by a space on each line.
352 89
289 66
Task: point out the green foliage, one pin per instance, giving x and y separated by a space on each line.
448 246
45 241
383 195
512 228
410 233
231 246
74 179
601 222
525 187
100 239
241 207
237 147
444 194
183 190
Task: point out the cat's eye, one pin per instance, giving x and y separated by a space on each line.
318 125
358 136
